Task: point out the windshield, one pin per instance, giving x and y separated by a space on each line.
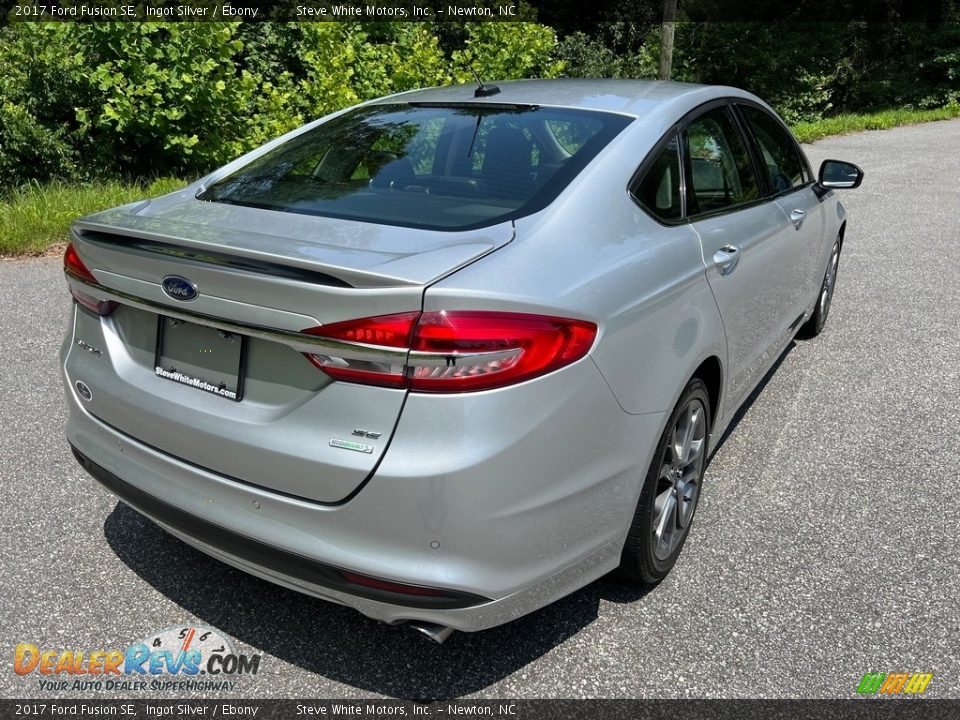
443 167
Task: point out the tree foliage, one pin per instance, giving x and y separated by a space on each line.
806 70
149 99
139 100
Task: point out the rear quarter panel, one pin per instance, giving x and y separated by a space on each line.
594 254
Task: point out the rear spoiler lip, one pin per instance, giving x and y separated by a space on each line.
350 277
122 224
230 260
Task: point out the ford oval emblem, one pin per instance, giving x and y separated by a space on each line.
179 288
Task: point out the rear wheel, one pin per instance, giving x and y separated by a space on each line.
814 326
671 490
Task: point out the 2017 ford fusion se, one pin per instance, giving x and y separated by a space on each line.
449 355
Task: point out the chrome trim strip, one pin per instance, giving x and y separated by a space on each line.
422 358
298 341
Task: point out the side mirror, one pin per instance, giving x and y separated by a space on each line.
839 175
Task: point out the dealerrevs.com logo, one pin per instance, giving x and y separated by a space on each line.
178 658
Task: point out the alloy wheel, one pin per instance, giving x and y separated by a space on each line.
678 484
829 282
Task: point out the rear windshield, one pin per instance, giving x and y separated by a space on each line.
436 167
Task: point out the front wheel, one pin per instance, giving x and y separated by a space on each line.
671 490
814 326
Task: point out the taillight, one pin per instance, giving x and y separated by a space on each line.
365 364
73 265
452 351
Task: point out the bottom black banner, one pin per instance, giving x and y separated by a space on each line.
504 709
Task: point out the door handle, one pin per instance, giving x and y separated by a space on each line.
796 217
726 259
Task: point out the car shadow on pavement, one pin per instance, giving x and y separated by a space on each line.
337 642
340 644
751 398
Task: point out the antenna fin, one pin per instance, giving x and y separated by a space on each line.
483 90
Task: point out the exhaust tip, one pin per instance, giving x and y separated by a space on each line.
437 633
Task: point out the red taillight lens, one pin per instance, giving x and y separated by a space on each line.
458 351
454 351
366 365
387 330
100 307
73 265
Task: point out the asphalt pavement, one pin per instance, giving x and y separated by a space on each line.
825 545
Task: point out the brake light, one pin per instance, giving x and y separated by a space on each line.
452 351
365 336
73 265
386 330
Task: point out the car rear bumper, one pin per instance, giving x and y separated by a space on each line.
504 517
232 544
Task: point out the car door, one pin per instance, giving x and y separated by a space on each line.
790 182
743 243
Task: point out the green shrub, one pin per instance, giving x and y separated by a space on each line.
28 150
505 51
171 97
88 101
135 100
39 86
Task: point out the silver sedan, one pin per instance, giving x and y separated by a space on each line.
449 355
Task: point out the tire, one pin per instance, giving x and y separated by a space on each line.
671 491
814 326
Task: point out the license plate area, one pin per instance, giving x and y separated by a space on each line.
201 357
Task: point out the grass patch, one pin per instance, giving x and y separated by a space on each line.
842 124
35 217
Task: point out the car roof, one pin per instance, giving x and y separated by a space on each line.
628 97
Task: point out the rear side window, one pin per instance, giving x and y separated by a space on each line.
571 136
434 166
659 189
721 173
781 158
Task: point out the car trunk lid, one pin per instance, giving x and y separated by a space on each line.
260 280
357 253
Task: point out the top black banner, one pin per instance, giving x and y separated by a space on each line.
460 11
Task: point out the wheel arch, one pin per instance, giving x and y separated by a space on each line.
710 371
